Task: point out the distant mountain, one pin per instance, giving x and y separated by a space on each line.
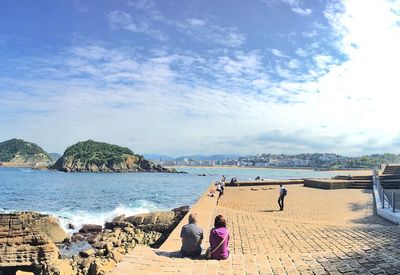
209 157
93 156
55 156
17 152
157 157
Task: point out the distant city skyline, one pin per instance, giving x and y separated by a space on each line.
202 77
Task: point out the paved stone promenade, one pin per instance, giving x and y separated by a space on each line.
319 232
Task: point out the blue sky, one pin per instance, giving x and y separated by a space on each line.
183 77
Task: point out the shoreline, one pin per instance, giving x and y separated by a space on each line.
361 170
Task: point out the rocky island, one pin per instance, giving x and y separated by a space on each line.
17 152
93 156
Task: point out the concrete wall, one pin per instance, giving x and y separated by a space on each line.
326 184
386 213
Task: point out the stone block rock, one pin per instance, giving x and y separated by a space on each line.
116 256
60 267
159 221
101 266
26 239
156 221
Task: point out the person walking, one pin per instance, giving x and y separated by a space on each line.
219 239
220 191
191 235
223 179
282 194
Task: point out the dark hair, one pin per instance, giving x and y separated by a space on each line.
192 218
219 221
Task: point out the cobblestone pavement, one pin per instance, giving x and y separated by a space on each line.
319 232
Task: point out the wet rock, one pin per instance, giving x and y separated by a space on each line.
87 253
98 245
90 228
67 240
92 239
70 226
77 238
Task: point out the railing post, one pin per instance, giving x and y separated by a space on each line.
393 202
383 198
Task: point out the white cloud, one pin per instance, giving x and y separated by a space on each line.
354 94
209 32
278 53
295 5
181 102
293 64
301 52
147 6
122 20
196 22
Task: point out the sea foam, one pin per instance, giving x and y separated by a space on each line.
80 217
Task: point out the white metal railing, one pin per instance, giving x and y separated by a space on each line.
384 198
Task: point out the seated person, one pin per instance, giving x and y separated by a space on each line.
212 192
219 239
191 235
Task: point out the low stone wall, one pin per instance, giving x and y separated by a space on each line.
265 182
327 184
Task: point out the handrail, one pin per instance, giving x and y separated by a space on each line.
391 202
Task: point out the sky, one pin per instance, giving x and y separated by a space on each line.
182 77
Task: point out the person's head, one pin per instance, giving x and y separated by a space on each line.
219 221
281 185
192 218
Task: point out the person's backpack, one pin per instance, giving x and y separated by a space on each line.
284 191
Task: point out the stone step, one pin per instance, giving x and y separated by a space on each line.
359 187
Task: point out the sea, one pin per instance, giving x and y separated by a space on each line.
94 198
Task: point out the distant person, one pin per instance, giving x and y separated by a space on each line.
223 183
211 193
191 235
219 239
257 178
223 179
282 194
220 191
232 182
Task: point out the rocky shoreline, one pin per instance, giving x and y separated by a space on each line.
36 243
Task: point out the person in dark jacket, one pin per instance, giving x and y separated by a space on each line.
191 235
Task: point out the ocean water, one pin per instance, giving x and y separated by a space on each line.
81 198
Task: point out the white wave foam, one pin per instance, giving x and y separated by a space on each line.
80 217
